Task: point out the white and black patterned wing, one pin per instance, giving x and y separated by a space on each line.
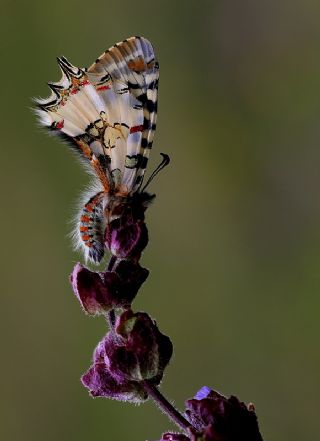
75 111
108 111
131 67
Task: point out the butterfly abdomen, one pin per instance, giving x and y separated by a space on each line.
92 226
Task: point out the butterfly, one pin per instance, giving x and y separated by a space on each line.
107 113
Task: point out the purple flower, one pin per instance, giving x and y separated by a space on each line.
222 419
126 237
132 276
217 418
100 292
101 383
134 352
137 351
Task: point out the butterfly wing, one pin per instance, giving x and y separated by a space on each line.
132 69
108 111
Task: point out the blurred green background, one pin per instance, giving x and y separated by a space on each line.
235 230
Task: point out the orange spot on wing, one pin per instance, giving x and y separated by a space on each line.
84 229
85 219
85 237
103 87
138 65
135 129
60 124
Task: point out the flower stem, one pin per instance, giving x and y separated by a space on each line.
166 407
111 316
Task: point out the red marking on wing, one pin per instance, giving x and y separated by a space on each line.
60 124
86 238
85 219
85 83
82 229
135 129
103 87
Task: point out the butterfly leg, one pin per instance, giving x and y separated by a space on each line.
92 227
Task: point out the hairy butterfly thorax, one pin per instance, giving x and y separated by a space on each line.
107 113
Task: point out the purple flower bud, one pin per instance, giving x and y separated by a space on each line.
137 350
202 393
134 352
132 276
126 237
94 294
100 383
218 418
100 292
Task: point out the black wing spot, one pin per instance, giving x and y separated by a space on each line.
144 143
150 105
142 98
146 123
133 85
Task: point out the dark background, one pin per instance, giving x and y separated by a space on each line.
235 237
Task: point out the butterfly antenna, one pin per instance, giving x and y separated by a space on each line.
165 161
